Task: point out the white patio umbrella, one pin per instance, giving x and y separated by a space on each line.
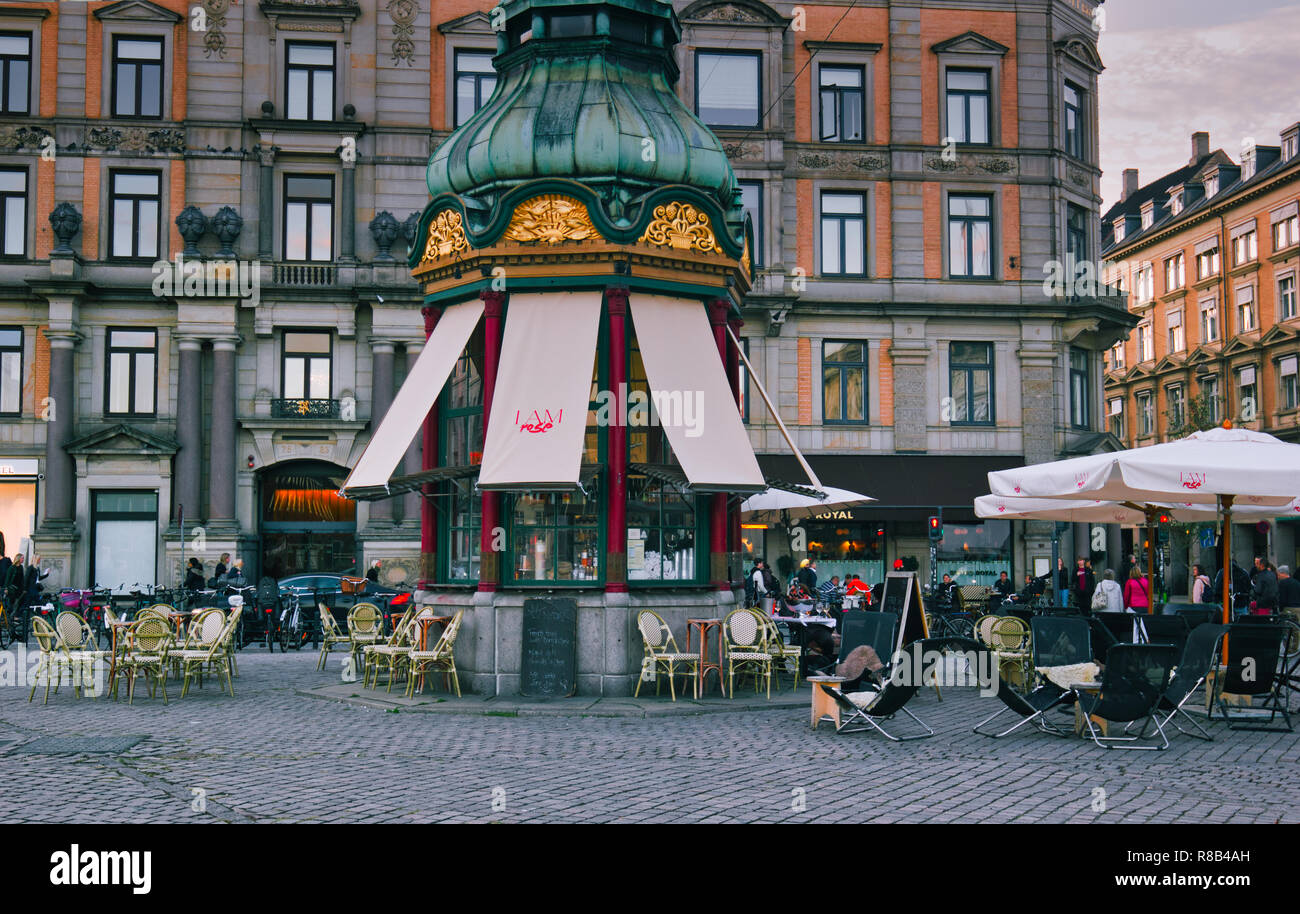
1095 511
779 505
1215 467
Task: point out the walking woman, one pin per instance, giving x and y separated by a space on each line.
1137 592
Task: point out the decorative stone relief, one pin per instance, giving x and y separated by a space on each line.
843 163
403 13
21 137
729 13
137 139
446 236
742 150
66 222
214 39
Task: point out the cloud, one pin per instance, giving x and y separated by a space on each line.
1234 80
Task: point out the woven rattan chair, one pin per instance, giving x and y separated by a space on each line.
662 654
204 647
1009 639
744 632
781 652
148 641
54 659
439 658
331 635
394 654
365 626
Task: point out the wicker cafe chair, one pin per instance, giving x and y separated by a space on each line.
82 647
54 659
365 626
331 635
743 631
1132 686
1199 654
204 647
1009 639
661 653
148 641
781 652
441 657
392 654
1057 642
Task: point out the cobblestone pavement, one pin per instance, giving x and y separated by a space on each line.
270 754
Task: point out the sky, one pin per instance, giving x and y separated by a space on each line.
1173 67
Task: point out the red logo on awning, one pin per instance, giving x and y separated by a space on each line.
538 421
1192 480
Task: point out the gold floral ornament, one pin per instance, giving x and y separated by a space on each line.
551 218
446 236
681 227
746 263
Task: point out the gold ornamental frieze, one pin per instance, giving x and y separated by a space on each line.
746 263
551 219
446 236
682 227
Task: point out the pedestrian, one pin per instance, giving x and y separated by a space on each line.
16 577
219 573
1112 592
1240 587
1263 590
807 575
1200 585
32 581
1137 591
1062 583
193 574
1085 582
1288 589
372 574
1004 587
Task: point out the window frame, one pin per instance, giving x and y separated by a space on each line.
759 112
1146 413
8 350
969 369
1115 420
967 95
1171 326
6 60
842 368
1145 341
842 219
1209 263
1242 388
1288 395
1282 296
839 93
307 357
478 77
757 255
1207 386
1170 390
1210 306
1175 268
309 202
1076 232
1080 388
973 220
136 199
697 530
311 71
133 378
5 196
449 524
138 65
1074 142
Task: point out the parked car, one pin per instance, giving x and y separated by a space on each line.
328 588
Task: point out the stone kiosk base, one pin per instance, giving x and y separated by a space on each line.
488 648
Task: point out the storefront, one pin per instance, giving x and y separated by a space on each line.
18 477
305 525
976 553
841 545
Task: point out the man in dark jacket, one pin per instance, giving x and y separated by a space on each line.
1085 582
1004 586
1240 586
1288 589
807 576
1264 590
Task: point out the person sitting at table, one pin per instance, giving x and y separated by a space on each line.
1003 586
798 598
194 575
829 591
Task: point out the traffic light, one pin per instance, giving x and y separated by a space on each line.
936 529
1162 531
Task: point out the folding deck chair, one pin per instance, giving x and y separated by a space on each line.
1058 641
1255 668
1132 687
1200 652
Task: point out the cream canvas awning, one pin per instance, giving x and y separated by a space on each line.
691 395
419 392
538 423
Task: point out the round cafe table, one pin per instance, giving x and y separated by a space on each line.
702 627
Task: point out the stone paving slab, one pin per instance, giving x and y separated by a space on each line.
271 754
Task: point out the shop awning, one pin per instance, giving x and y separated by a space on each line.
694 402
419 392
538 424
412 481
672 475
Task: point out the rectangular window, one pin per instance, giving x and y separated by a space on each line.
970 235
461 413
1286 374
1209 320
555 536
11 371
475 82
1247 400
306 366
137 77
844 381
1176 407
1146 349
15 72
1286 297
1175 274
1074 120
135 205
969 105
1076 234
661 526
309 81
1207 263
124 536
970 383
1177 339
1080 385
1286 232
309 217
1246 309
132 372
844 234
1146 414
1244 248
728 88
843 104
1117 356
751 194
13 212
1146 283
1116 411
1210 393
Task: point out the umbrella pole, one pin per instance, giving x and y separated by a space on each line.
1225 505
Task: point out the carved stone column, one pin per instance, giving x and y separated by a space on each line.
221 450
189 426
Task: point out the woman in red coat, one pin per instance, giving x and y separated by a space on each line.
1137 592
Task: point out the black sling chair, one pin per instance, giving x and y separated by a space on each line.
1199 654
1132 686
1254 668
891 698
1057 641
1165 630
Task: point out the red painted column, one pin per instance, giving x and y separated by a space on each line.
733 375
616 446
718 509
429 460
489 560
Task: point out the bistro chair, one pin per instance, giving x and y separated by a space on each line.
53 660
1200 653
331 635
148 641
662 654
203 647
743 632
782 652
365 626
441 657
1132 687
1254 668
81 644
392 654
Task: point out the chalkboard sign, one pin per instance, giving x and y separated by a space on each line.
902 595
549 659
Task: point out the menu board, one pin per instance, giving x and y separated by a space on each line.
549 661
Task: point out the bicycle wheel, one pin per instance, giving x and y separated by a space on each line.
6 631
961 628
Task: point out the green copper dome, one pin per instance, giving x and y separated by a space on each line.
585 92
